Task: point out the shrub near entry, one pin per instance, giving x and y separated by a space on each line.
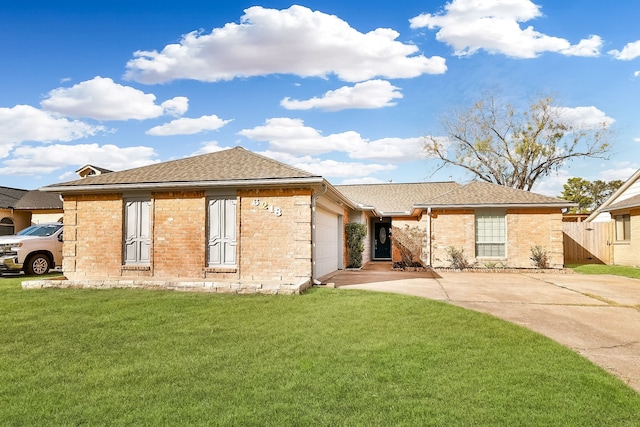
355 243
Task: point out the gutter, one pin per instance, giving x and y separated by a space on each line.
314 198
497 205
179 185
428 237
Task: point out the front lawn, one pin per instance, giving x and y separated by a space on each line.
618 270
328 357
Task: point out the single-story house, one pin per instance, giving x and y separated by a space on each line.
21 208
234 220
40 207
623 209
10 220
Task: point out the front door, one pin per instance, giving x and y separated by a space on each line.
382 244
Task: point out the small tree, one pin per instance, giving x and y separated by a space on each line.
409 241
355 244
539 257
457 258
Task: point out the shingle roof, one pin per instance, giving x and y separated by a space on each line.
395 197
478 193
631 202
36 199
9 196
235 164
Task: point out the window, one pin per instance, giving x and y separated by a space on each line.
137 218
222 240
623 227
6 227
490 234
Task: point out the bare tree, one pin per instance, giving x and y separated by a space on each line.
501 145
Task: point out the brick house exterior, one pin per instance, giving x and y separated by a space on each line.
449 215
235 221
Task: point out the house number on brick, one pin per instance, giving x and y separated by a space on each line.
266 206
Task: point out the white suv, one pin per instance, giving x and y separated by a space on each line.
35 249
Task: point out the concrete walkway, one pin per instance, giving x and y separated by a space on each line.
598 316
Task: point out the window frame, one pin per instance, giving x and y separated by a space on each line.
493 238
7 223
622 224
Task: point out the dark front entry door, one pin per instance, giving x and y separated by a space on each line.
382 245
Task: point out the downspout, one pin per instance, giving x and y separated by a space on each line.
428 237
313 233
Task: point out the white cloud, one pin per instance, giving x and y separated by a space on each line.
364 180
188 126
291 41
209 147
629 52
365 95
102 99
494 26
25 123
292 136
552 185
175 106
583 117
622 171
329 168
586 47
34 160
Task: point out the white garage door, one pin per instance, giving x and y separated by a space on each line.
327 242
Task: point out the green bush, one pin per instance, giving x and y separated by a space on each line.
355 244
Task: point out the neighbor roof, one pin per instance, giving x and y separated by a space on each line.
235 165
39 200
611 201
10 196
631 202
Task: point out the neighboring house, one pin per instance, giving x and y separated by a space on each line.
11 220
234 220
40 207
623 210
90 170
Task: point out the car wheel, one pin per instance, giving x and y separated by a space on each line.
37 265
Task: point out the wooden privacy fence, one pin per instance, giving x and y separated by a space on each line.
587 242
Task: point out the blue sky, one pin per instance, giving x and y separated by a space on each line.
343 89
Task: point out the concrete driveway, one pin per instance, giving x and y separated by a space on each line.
598 316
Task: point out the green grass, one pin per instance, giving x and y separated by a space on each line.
617 270
328 357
